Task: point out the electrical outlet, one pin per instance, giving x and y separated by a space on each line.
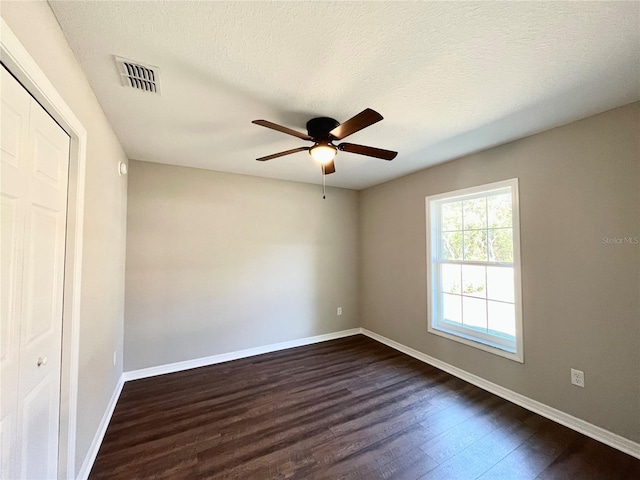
577 378
115 358
339 311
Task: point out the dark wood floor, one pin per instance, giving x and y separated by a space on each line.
346 409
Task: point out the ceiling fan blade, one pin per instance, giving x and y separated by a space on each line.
328 168
282 154
362 120
280 128
368 151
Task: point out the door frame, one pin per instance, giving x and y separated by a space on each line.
20 63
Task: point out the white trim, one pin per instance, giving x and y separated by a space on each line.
226 357
483 342
18 60
87 465
597 433
469 192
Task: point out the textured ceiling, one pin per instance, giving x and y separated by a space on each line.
450 78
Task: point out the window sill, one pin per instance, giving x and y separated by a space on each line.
499 350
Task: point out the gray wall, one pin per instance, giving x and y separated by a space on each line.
581 297
102 301
220 262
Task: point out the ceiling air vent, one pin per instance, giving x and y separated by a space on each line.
139 76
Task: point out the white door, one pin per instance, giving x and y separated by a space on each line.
34 167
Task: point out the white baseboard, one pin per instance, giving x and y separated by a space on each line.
91 455
597 433
226 357
616 441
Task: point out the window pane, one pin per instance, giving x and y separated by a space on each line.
474 311
452 308
473 281
499 211
451 215
500 284
501 245
475 245
450 278
475 213
502 318
452 246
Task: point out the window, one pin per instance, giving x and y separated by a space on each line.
473 252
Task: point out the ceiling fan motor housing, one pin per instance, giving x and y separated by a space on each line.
319 128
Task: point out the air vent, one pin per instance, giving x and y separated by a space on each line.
139 76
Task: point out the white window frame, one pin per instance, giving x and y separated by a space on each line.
436 325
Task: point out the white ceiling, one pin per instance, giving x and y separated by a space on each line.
450 78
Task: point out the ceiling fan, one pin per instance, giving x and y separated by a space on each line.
323 131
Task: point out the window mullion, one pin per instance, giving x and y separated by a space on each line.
462 225
461 291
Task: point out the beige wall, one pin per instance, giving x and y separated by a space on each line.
102 309
581 297
219 262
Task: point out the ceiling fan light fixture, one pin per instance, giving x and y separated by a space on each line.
323 152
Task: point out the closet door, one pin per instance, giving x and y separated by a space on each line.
34 166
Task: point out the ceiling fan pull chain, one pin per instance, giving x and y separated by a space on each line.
323 183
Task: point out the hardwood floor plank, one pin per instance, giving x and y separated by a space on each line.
363 463
588 459
534 455
412 465
466 433
349 408
481 455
